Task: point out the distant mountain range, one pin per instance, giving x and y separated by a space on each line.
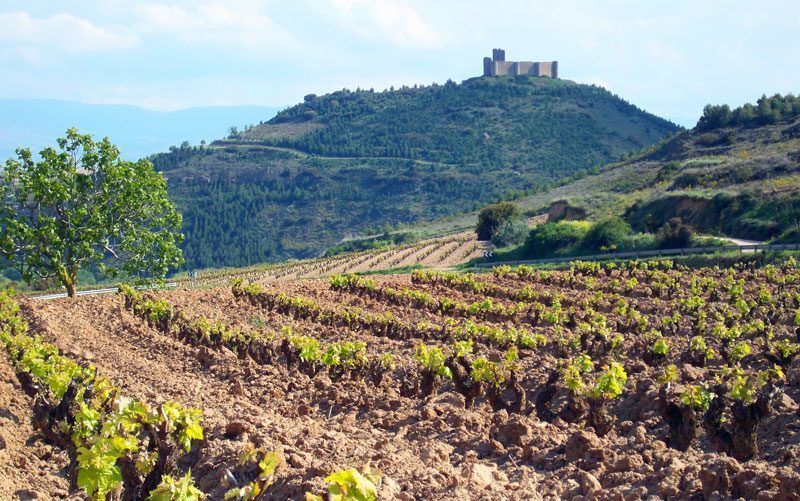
36 123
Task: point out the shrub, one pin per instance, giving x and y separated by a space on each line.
491 217
512 232
611 232
688 180
675 234
666 170
639 241
790 236
547 239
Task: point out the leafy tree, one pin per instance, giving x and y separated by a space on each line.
608 232
511 232
82 205
768 110
675 234
547 239
715 117
491 217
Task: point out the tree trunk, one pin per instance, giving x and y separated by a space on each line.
68 280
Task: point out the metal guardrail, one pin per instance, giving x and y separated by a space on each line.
96 292
649 253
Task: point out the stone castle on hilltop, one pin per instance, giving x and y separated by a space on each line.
497 65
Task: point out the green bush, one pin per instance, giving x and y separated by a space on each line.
790 236
667 170
675 234
638 241
512 232
491 217
547 239
608 233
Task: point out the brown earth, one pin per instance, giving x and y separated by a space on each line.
29 467
426 448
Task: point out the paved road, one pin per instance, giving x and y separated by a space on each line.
738 241
95 292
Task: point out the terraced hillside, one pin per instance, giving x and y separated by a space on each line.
632 381
434 253
443 252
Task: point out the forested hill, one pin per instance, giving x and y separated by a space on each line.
348 161
552 127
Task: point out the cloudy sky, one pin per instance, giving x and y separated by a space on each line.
670 58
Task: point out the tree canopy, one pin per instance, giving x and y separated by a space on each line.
767 110
492 217
82 205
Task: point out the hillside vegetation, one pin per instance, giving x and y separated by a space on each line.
738 176
350 161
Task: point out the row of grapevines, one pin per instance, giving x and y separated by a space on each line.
117 444
485 309
482 377
384 324
307 352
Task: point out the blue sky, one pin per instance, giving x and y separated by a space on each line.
670 58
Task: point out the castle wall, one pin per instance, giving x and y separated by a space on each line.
501 67
545 69
498 66
523 68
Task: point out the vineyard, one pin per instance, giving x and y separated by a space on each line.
623 380
440 252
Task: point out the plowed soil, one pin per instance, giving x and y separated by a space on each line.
425 447
28 466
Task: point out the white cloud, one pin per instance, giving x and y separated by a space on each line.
241 24
392 20
61 32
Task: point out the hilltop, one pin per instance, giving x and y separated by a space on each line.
351 161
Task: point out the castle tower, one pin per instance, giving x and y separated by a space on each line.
498 55
488 64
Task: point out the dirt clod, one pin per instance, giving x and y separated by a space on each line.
235 429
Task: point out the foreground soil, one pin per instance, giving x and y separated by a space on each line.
29 468
426 448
